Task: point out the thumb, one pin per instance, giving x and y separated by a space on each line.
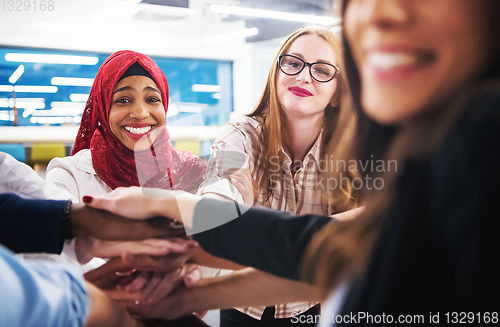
98 202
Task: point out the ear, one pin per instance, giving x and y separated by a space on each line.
334 102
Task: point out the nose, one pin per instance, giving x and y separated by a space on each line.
304 76
387 14
139 110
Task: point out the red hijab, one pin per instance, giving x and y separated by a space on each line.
161 166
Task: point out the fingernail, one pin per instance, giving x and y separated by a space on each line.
87 199
137 302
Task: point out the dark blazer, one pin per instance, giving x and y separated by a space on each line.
30 225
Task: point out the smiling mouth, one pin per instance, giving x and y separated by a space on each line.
138 130
397 60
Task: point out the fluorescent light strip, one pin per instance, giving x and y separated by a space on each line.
67 104
28 112
6 117
274 15
16 74
24 99
22 104
171 11
53 120
65 111
28 88
72 81
232 36
206 88
78 97
58 112
51 59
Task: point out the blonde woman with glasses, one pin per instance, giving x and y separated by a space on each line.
277 156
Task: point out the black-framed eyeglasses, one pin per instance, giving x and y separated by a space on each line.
321 72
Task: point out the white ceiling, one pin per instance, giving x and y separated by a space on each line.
110 25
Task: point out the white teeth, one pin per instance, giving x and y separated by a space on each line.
387 60
133 130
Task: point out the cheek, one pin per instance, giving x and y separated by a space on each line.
329 91
280 89
159 115
115 116
350 23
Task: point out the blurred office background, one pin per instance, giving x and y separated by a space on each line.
216 55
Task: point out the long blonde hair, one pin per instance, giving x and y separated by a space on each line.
338 125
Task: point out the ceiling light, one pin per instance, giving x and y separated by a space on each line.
6 88
77 97
28 112
70 111
16 74
324 20
232 36
35 88
7 116
28 88
32 103
51 59
48 120
205 88
66 111
123 8
167 11
72 81
66 104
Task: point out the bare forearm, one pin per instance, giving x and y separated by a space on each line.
203 258
248 287
106 312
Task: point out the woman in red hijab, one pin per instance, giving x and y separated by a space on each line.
122 140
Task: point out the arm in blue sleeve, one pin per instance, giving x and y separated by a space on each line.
39 293
269 240
30 225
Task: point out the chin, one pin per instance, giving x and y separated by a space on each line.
387 116
389 111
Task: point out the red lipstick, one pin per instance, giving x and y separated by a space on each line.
300 92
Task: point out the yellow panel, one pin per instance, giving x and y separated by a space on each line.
44 152
194 147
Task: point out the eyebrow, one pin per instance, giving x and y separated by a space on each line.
302 57
127 88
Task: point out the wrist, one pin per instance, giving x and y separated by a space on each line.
158 206
77 219
191 300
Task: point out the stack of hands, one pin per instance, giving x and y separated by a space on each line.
151 260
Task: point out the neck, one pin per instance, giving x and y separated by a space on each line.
303 133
